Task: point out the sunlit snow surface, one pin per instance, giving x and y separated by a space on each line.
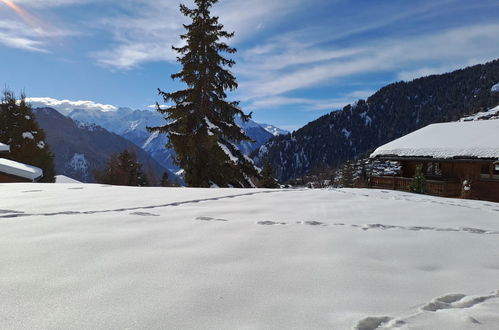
76 256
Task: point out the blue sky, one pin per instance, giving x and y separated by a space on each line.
296 60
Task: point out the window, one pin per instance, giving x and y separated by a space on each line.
495 171
433 169
485 171
490 171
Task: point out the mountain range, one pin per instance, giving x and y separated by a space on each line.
393 111
82 148
131 124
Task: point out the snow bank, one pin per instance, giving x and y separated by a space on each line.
4 148
65 179
81 256
19 169
447 140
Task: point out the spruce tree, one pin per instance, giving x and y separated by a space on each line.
200 124
347 180
267 174
19 129
165 181
418 184
123 170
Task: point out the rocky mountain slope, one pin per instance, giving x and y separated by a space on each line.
390 113
81 149
131 124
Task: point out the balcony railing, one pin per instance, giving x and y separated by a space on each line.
433 187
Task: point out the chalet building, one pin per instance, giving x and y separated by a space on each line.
12 171
459 159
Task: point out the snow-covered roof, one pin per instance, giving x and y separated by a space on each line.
4 148
474 139
21 170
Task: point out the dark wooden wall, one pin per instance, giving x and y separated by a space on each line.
5 178
484 189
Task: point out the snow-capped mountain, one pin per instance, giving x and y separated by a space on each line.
131 124
275 131
81 149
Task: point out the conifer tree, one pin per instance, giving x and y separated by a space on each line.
347 180
165 181
200 124
418 184
19 130
123 170
267 174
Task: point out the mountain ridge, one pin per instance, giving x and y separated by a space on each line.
393 111
80 149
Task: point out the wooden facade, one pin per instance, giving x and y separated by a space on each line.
447 177
7 178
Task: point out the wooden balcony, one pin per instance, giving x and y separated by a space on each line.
441 188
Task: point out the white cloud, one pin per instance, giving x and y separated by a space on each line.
52 3
152 27
66 106
456 48
310 104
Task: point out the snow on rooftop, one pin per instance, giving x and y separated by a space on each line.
473 139
19 169
108 257
4 148
484 115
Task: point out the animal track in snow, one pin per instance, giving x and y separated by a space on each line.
210 219
312 223
10 211
145 214
379 226
139 207
270 223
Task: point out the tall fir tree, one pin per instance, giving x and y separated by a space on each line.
19 129
200 124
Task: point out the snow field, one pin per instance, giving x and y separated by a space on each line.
79 256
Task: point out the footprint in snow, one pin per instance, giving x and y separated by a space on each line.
210 219
270 223
311 223
145 214
456 300
10 211
372 322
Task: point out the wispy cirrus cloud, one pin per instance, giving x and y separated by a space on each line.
454 47
149 28
27 31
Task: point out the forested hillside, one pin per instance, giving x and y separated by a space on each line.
392 112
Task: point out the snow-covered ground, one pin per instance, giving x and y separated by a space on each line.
76 256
